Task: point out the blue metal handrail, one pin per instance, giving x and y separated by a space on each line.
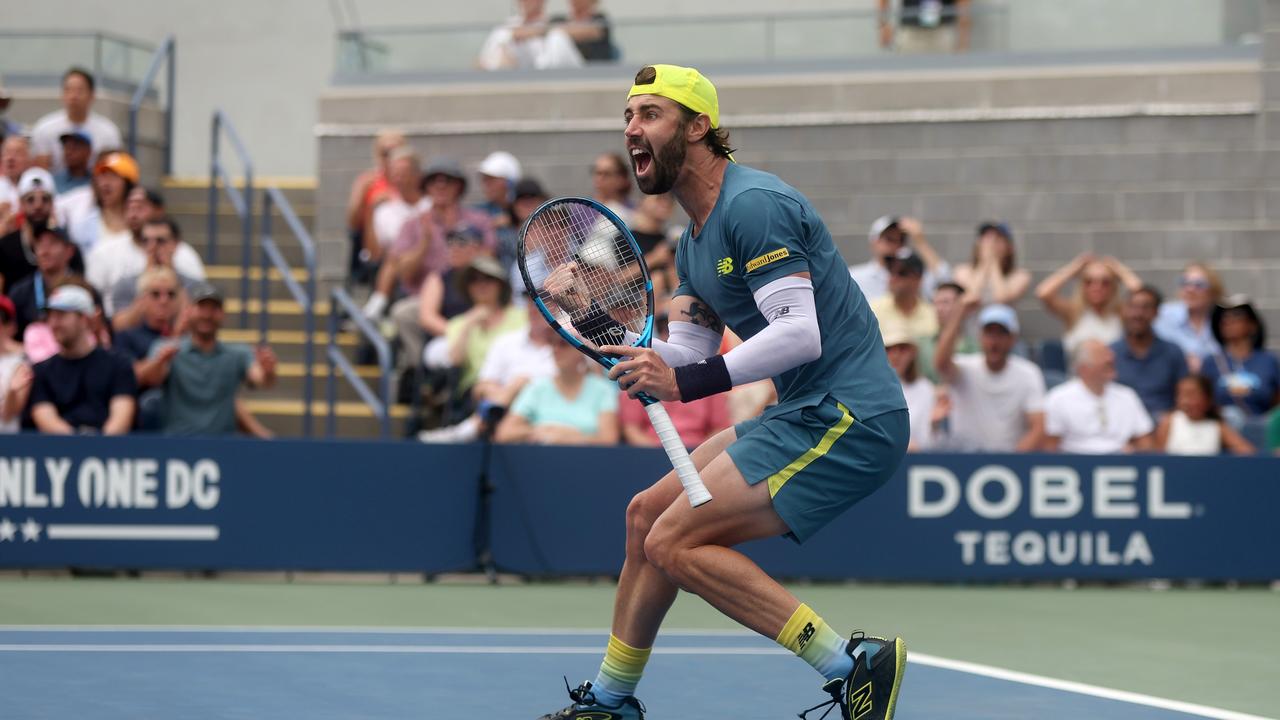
304 296
241 201
341 305
166 51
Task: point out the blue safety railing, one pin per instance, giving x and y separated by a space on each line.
241 201
304 295
341 305
166 52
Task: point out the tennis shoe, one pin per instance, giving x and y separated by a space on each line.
870 692
585 707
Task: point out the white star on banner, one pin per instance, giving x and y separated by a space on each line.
7 530
30 531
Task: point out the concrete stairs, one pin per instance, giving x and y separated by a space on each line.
280 408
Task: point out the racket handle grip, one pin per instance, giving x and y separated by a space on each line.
679 455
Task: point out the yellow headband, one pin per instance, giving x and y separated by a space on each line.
685 86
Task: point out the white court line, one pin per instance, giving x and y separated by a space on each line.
359 630
915 657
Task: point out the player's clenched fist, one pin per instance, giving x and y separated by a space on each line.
566 287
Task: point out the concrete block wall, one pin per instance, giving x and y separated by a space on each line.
1156 165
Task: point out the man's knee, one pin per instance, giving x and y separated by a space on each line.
664 550
642 512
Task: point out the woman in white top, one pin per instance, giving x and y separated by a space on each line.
114 176
1195 427
1093 313
993 274
926 406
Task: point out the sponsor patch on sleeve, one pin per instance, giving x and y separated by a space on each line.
769 257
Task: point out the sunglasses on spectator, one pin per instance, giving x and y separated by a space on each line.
159 294
1097 281
905 273
1194 283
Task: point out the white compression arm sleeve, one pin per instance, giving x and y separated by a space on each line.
686 343
790 339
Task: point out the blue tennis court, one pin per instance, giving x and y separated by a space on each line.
192 672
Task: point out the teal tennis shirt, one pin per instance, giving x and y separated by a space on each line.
762 229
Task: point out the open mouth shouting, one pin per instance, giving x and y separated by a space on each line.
641 161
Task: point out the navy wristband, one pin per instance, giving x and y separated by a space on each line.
702 379
597 326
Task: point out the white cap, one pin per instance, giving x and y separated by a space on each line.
36 179
880 225
1001 315
71 298
501 164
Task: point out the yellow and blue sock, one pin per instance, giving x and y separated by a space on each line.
619 673
809 637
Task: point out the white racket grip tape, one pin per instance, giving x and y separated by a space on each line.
679 455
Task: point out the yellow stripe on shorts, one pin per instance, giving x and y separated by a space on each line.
780 478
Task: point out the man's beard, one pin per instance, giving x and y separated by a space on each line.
38 225
666 167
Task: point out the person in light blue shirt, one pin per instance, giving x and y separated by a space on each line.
576 406
1187 322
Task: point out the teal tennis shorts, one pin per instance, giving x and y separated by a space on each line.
819 460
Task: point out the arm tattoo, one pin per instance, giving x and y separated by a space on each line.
700 314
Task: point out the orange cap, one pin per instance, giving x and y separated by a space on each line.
120 163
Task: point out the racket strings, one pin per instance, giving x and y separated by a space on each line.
608 272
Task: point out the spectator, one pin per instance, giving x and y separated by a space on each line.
997 398
161 237
370 188
925 405
529 196
902 307
53 251
1245 377
15 158
695 422
499 174
1144 362
993 273
926 26
575 407
1273 434
83 388
77 148
158 307
888 236
113 179
76 114
528 41
652 228
589 29
424 249
468 336
1094 312
611 184
514 359
17 253
201 375
121 258
946 301
15 374
1187 321
1196 427
1093 415
389 218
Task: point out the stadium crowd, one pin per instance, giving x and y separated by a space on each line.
1130 371
107 323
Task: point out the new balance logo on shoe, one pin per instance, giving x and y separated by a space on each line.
860 702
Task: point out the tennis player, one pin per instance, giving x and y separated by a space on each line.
757 258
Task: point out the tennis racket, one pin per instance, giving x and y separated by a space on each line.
587 276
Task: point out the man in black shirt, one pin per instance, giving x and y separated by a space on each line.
53 251
83 388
